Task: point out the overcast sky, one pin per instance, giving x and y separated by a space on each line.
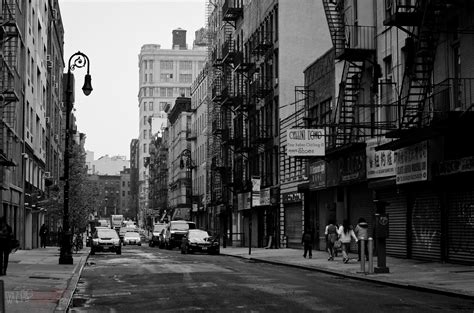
111 33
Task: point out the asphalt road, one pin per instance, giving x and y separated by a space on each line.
145 279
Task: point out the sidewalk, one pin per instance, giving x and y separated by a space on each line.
35 282
436 277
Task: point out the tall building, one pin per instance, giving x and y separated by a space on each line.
125 192
258 51
134 157
13 76
110 165
164 75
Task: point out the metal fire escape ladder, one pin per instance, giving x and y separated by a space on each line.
417 77
8 80
347 100
335 24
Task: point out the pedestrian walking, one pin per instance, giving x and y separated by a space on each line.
43 234
362 233
331 237
345 234
6 237
307 241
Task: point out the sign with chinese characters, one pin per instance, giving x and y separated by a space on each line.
305 142
317 175
456 166
291 197
412 163
255 191
379 163
265 196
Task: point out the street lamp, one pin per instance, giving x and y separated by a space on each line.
189 165
77 60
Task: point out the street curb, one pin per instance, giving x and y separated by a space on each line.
66 298
358 277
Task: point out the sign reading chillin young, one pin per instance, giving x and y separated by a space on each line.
305 142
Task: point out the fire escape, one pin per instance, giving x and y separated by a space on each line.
418 19
9 33
355 45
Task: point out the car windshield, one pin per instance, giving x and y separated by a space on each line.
132 234
158 228
198 234
179 226
128 229
107 233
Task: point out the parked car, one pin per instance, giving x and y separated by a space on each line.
105 240
132 238
124 230
155 237
196 240
175 231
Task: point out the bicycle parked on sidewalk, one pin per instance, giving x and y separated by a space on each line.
77 242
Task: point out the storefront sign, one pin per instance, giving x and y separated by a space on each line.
379 163
243 201
291 197
353 167
456 166
412 163
265 196
305 142
255 191
317 175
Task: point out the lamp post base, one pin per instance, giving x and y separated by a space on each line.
65 256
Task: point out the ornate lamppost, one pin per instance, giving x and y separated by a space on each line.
77 60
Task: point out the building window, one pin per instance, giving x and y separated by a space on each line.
185 65
144 134
150 92
185 78
162 92
162 106
144 106
144 120
166 65
166 77
150 64
169 92
151 106
144 147
150 78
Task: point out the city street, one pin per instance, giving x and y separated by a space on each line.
145 279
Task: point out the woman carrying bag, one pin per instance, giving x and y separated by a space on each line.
345 233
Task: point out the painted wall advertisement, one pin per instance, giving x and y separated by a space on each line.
379 163
317 175
305 142
412 163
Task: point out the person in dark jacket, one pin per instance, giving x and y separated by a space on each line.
6 236
43 233
362 233
307 241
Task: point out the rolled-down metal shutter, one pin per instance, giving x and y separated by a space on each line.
426 226
293 230
461 226
397 214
